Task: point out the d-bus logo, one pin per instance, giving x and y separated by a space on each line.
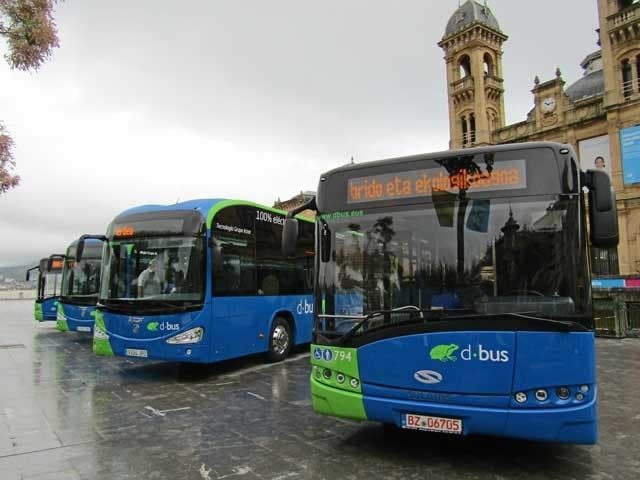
304 307
164 326
446 353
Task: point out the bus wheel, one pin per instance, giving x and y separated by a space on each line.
279 339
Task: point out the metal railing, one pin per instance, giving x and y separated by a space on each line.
627 89
469 139
617 314
633 319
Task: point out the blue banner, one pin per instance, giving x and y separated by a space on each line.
630 149
478 219
607 283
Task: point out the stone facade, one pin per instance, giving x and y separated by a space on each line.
600 104
296 201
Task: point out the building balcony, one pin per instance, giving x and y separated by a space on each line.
463 84
624 25
493 82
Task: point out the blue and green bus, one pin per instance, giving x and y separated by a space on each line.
453 292
203 281
48 287
80 286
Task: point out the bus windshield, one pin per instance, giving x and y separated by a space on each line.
81 280
167 269
52 284
485 257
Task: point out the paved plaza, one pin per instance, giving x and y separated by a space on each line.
66 414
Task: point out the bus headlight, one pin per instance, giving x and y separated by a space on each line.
193 335
541 395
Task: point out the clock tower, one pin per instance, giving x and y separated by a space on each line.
472 44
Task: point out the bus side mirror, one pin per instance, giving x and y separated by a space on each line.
82 239
603 215
325 244
29 273
289 236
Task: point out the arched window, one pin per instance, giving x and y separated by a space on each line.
627 82
464 66
488 65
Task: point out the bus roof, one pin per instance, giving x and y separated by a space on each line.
203 205
448 153
207 207
541 168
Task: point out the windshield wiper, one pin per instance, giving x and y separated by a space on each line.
568 325
362 323
441 314
145 306
175 307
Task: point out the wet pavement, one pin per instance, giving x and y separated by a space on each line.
66 414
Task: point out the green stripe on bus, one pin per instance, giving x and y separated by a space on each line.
327 400
335 382
101 346
61 321
37 312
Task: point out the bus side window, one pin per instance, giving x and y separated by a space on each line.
277 274
269 261
234 274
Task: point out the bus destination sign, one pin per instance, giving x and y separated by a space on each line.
56 264
506 175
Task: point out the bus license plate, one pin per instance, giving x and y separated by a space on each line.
135 352
84 329
432 424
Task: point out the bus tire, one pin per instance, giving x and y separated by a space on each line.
280 339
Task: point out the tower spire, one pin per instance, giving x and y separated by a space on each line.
472 43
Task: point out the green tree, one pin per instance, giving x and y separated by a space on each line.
31 34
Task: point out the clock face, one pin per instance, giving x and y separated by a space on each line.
548 104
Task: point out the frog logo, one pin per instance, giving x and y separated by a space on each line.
152 326
444 353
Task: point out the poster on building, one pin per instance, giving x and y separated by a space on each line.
594 154
630 151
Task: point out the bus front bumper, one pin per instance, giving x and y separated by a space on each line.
157 349
79 325
572 424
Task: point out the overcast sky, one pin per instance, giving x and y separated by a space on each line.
154 101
